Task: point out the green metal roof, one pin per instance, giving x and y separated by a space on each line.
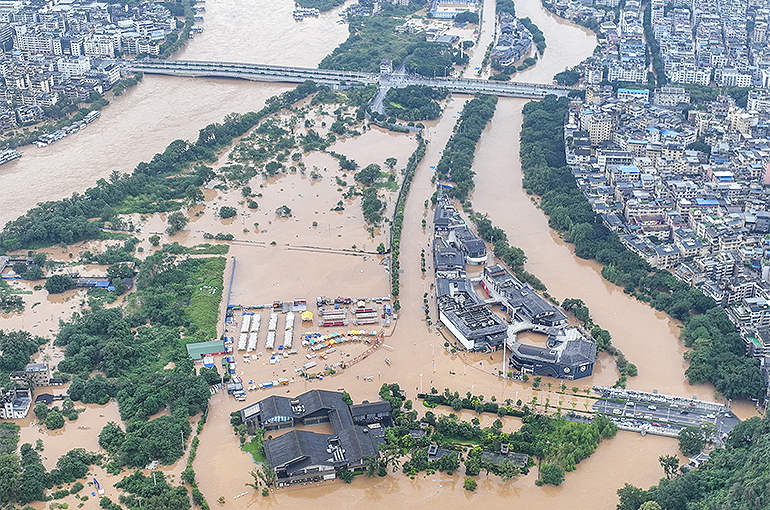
199 349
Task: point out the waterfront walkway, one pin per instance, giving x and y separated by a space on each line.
334 79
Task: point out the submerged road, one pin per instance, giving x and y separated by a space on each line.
335 79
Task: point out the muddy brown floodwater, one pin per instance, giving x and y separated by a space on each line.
161 109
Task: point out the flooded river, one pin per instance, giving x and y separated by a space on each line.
148 117
161 109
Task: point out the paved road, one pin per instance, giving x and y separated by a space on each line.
648 411
338 79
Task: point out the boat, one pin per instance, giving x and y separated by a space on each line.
91 116
387 360
300 12
9 155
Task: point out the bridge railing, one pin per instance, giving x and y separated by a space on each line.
248 70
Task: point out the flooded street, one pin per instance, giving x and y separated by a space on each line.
487 26
305 255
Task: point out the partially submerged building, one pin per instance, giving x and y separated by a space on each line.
473 248
303 456
36 374
448 261
469 319
520 300
15 403
567 355
199 350
450 226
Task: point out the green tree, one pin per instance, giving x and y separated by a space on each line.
691 440
111 437
346 475
54 420
370 465
20 268
154 240
226 212
39 259
58 283
670 465
470 484
176 222
41 411
551 473
34 273
368 175
10 477
120 271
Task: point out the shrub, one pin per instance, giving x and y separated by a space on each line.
226 212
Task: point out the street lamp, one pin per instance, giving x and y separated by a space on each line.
433 349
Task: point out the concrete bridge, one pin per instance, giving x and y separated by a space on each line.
335 79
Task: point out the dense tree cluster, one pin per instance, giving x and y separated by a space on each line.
433 60
568 77
553 441
471 402
735 476
505 6
23 479
718 351
16 348
226 212
654 48
373 39
456 161
152 492
537 35
10 302
114 254
467 17
126 83
415 102
369 175
143 441
133 346
321 5
58 283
